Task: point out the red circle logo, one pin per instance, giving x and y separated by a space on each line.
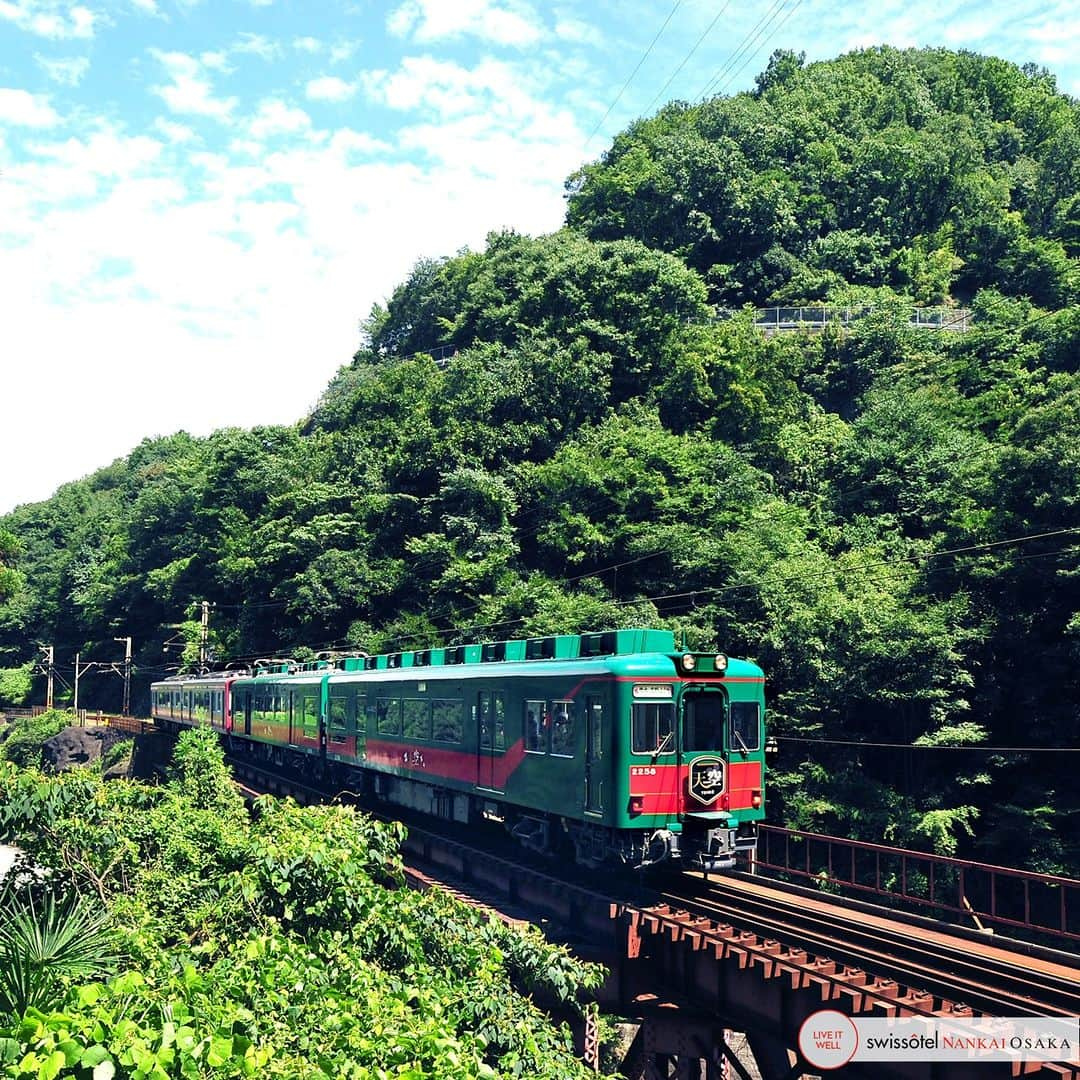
828 1039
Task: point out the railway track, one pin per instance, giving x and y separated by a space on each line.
945 971
983 975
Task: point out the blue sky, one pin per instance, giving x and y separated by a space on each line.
200 199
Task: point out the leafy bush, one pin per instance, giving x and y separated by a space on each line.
24 737
279 944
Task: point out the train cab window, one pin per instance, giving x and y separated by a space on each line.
562 728
745 725
447 721
417 719
703 722
536 727
388 716
653 728
338 719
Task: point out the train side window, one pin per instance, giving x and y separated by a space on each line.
309 716
562 728
594 714
388 716
498 716
483 705
339 719
417 719
536 727
653 728
447 721
745 725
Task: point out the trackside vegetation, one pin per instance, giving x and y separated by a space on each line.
561 433
185 938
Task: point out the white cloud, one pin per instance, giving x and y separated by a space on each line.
510 22
343 50
66 71
307 44
257 44
216 61
329 88
178 268
190 92
278 118
22 109
173 132
50 18
575 30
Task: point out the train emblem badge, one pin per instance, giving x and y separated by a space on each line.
706 779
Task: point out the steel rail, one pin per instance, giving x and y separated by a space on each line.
760 924
981 980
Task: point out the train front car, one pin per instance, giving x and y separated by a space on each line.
691 770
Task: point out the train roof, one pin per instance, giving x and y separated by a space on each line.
620 647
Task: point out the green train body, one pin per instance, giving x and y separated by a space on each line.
615 745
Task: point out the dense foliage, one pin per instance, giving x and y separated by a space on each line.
273 947
552 435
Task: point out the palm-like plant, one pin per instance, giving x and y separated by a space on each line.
45 941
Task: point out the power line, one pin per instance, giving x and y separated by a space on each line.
686 58
645 57
715 590
756 47
737 51
926 746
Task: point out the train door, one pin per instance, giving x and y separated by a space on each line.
594 752
490 737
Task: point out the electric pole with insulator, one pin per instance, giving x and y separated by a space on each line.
48 651
204 635
127 674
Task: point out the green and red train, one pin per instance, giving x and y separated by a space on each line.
617 743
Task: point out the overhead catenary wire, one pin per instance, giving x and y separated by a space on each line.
930 746
630 77
686 59
737 51
757 45
716 590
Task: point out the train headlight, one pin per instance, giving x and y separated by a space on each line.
720 662
755 800
689 661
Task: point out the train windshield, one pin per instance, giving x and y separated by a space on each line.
653 728
745 725
703 721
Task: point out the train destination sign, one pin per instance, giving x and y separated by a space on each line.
653 690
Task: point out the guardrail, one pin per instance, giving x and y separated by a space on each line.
978 891
817 318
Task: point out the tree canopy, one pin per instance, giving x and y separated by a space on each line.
558 433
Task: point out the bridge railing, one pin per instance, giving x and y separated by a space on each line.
817 318
1000 895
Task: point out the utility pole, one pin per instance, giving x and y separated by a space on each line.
127 674
204 634
48 650
78 674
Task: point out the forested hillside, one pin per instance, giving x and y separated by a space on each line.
556 434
